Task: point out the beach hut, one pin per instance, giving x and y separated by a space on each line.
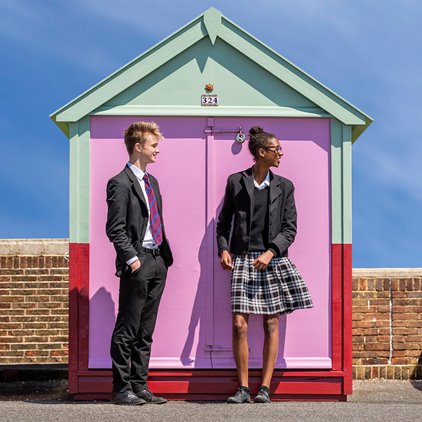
206 85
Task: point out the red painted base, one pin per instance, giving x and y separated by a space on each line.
218 385
311 385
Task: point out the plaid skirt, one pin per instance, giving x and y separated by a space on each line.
279 289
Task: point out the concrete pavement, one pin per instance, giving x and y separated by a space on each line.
375 400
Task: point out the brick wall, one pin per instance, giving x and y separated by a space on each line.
387 312
387 323
33 301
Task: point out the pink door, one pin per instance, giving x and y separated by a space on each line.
194 322
180 335
304 334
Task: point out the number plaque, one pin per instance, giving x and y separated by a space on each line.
209 100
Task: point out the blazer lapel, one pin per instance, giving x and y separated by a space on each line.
248 182
136 185
275 188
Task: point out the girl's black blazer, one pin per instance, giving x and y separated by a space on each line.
235 216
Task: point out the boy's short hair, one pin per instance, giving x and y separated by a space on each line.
136 133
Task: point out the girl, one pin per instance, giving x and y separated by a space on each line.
264 280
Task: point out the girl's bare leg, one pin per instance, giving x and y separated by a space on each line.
270 348
240 347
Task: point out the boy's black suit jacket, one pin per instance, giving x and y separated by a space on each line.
127 218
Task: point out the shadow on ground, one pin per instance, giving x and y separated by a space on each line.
416 376
35 391
368 391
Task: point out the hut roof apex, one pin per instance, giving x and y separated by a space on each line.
212 24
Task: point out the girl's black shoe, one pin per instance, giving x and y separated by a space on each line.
263 395
243 395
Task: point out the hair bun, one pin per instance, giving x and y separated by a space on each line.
255 130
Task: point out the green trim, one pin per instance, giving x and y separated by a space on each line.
79 181
292 75
347 183
341 183
358 130
214 25
130 74
212 22
336 185
154 110
63 126
73 182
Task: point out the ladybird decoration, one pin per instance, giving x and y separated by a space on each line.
209 88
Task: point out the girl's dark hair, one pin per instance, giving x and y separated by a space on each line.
258 139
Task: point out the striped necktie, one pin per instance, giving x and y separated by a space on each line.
154 217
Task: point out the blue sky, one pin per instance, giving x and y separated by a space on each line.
368 51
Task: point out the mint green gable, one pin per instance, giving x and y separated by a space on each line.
250 79
237 80
229 44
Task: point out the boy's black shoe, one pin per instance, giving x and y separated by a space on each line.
126 398
149 397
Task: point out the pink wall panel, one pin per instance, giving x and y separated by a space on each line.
180 338
193 327
304 334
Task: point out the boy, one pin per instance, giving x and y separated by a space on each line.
135 226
